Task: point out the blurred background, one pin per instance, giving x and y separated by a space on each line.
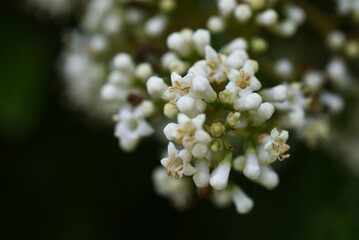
62 175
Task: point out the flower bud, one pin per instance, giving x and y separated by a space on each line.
242 12
263 113
170 110
156 86
248 103
219 176
201 38
217 129
241 201
143 71
215 24
251 169
201 178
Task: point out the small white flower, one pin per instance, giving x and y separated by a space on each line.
241 201
131 127
123 62
155 25
190 131
236 44
313 80
180 87
248 103
143 71
276 144
170 131
336 40
267 18
220 175
156 86
186 105
338 73
215 24
215 64
178 162
170 110
226 7
284 68
179 191
295 13
268 177
242 12
278 93
201 177
243 80
202 87
178 43
201 38
263 113
334 102
251 168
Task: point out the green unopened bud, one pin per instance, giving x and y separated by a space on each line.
217 129
216 145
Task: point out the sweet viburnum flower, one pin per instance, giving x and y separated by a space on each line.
131 125
276 144
180 87
243 82
178 162
188 131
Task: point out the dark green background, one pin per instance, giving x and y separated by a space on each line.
62 176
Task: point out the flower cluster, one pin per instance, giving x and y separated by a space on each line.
224 91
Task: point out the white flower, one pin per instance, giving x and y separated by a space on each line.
336 40
180 87
179 191
202 88
278 93
123 62
248 103
215 63
334 102
156 86
178 162
226 7
284 68
268 177
276 144
190 131
201 38
155 25
313 80
131 127
236 44
241 201
243 80
178 42
186 105
251 168
338 73
295 13
242 12
215 24
220 175
201 178
143 71
267 18
263 113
